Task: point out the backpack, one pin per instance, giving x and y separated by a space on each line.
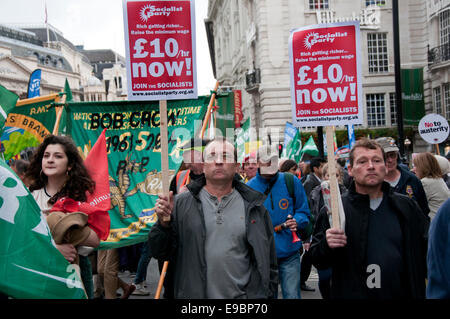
306 232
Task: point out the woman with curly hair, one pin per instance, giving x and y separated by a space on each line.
427 169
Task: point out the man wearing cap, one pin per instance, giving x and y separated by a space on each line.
401 180
271 182
193 160
250 166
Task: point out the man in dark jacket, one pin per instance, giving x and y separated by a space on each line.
403 181
315 177
382 253
220 236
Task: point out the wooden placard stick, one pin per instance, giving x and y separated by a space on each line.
333 179
164 150
437 149
208 111
58 116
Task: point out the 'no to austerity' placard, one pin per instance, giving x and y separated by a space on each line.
326 87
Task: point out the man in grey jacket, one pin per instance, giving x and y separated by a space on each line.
220 236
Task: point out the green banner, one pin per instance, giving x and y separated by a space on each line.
310 148
294 147
225 113
412 96
134 155
26 127
30 265
242 138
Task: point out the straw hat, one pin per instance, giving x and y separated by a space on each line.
68 228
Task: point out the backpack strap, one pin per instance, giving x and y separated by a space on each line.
289 180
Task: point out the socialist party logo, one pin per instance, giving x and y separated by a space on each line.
149 11
314 38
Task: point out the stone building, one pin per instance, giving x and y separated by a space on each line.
248 42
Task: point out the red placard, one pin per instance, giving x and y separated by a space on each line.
326 87
238 116
160 45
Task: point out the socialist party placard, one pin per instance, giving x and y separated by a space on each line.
160 49
325 71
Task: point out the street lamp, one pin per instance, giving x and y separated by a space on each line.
407 145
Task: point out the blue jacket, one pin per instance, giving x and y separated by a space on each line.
282 207
410 185
438 258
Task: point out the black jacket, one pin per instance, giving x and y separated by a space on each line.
410 185
310 183
349 272
183 244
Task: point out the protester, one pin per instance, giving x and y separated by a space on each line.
438 258
445 169
193 163
403 181
141 273
427 169
315 176
305 170
289 166
317 206
250 166
218 216
56 171
20 167
279 203
381 254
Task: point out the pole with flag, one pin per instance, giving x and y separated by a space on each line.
34 84
7 102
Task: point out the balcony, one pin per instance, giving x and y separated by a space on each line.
252 80
439 54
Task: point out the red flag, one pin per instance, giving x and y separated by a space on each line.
99 202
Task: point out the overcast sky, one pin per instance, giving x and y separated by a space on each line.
98 24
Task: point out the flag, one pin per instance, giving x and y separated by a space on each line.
293 150
99 202
289 133
68 91
7 101
351 136
310 148
30 265
34 84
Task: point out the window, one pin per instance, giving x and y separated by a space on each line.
378 56
393 106
375 2
444 23
447 99
375 110
437 100
318 4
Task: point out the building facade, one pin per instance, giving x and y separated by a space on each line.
26 48
249 49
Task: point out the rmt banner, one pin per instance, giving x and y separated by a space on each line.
325 70
160 48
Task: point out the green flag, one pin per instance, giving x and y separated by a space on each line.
7 101
30 265
293 149
68 91
310 148
241 138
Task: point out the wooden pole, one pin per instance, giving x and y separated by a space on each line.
208 111
161 280
164 149
58 116
437 149
333 179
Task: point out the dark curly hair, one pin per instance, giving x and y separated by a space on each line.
78 182
287 165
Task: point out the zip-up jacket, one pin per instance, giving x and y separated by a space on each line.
280 204
349 273
411 186
184 244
